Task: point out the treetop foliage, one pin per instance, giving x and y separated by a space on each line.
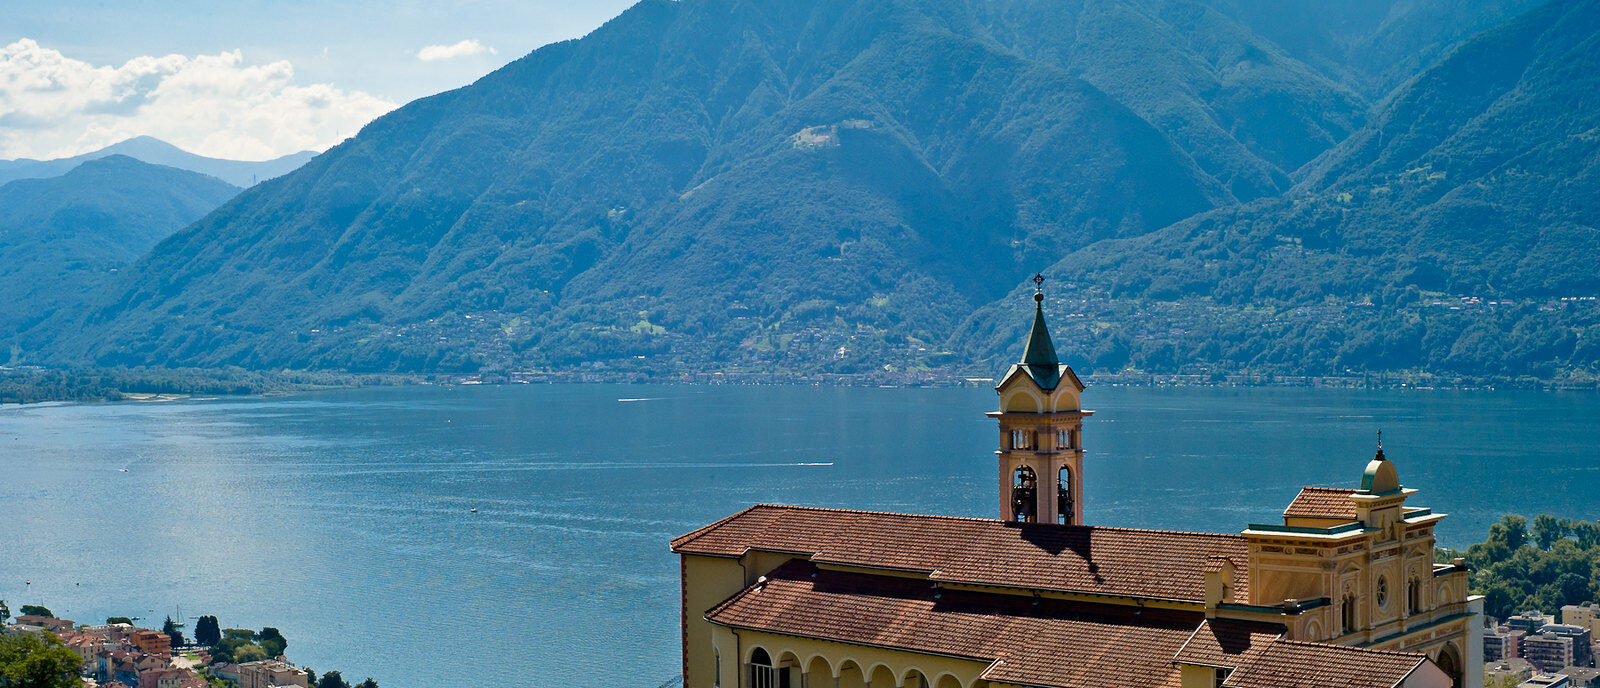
1553 563
37 660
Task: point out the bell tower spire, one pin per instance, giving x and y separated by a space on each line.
1041 422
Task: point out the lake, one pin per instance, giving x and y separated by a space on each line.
343 518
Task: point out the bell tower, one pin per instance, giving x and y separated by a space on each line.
1041 422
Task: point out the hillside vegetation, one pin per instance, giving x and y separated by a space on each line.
851 186
64 238
1553 563
1455 233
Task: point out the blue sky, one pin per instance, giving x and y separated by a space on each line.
249 78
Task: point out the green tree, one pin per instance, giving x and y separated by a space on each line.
237 645
369 683
1588 534
332 679
5 613
272 641
250 652
1546 530
1511 531
206 631
171 629
119 620
36 610
1564 567
37 660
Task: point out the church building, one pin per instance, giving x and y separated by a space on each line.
1344 593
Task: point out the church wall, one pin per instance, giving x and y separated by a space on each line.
707 581
1426 676
757 564
1196 676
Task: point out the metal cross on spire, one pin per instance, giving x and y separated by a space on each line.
1038 283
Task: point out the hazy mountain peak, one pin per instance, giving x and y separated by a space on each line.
63 237
155 151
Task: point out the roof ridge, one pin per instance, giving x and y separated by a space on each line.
1394 653
982 520
1190 639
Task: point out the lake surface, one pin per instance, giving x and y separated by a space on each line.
343 517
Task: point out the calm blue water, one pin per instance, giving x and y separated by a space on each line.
342 517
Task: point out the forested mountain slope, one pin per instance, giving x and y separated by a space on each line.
839 185
1455 233
1371 46
715 180
63 238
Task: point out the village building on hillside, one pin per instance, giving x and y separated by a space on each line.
120 654
1344 592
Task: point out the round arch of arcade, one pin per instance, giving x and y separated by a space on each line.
771 665
1449 659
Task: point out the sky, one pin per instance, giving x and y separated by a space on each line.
249 79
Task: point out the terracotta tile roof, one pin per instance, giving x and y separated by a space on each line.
1053 643
1226 642
1286 664
1087 559
1322 502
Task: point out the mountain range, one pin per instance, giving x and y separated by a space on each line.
239 173
860 185
63 238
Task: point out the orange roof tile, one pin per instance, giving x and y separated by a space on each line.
1051 643
1226 642
1288 664
1086 559
1322 502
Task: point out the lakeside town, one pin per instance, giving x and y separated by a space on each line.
1532 650
118 654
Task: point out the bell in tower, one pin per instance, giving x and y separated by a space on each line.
1041 421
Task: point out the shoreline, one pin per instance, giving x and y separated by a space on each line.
36 385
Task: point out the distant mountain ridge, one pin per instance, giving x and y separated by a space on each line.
64 237
839 185
240 173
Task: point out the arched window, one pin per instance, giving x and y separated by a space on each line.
1064 496
1414 596
762 673
1348 613
1024 492
1024 439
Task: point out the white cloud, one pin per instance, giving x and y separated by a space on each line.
465 48
54 106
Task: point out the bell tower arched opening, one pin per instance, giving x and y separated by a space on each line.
1064 506
1025 495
